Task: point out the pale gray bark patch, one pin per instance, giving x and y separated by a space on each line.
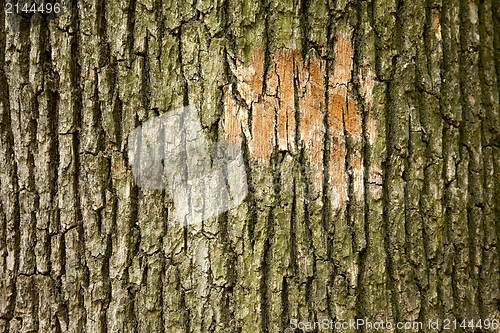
172 150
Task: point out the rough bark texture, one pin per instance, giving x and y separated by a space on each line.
371 135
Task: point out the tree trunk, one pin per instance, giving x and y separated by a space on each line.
370 133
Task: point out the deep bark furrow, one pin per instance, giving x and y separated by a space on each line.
9 264
374 295
471 159
488 290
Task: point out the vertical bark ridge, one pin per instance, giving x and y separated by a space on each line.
488 292
345 164
495 13
404 179
49 247
10 210
452 114
470 151
374 295
66 46
96 203
120 82
23 126
385 23
431 204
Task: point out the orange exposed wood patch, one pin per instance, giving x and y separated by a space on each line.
312 108
353 119
344 119
338 179
343 106
344 60
371 129
262 143
273 113
251 77
232 123
357 175
250 83
285 62
258 75
336 109
436 23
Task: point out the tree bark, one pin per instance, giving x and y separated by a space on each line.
370 132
